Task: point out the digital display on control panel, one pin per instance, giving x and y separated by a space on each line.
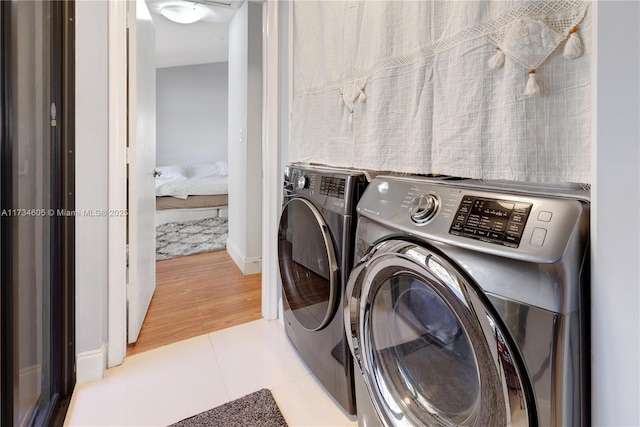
496 221
332 187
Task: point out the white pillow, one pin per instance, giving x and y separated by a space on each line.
204 170
171 172
223 168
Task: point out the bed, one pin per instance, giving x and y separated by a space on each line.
189 192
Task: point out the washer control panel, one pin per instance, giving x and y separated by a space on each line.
491 220
528 222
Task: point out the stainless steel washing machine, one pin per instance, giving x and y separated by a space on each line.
468 305
315 251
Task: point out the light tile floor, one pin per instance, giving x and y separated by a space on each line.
170 383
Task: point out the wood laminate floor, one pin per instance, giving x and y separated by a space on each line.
197 294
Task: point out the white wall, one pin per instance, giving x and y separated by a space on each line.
191 112
245 137
92 133
616 216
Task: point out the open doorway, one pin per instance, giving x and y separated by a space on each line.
196 159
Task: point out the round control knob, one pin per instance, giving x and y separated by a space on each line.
423 208
302 182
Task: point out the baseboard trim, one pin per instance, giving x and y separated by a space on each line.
90 365
246 265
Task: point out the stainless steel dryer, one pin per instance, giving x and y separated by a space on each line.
315 251
468 305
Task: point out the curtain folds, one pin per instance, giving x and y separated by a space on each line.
480 89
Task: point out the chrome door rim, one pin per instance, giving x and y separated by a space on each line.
331 256
399 256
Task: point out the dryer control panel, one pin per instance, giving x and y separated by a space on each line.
332 186
330 189
491 220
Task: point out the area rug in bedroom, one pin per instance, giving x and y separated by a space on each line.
257 409
176 239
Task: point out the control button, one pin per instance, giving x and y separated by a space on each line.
544 216
538 236
469 231
517 218
494 236
466 200
423 208
512 239
302 182
515 228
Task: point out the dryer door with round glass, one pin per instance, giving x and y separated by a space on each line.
308 266
430 347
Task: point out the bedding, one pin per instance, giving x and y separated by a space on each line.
192 180
185 187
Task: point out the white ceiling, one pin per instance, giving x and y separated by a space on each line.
202 42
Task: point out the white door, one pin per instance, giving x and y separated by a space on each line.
141 281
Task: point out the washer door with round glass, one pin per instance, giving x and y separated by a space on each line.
308 266
430 347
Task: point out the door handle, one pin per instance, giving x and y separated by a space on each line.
156 173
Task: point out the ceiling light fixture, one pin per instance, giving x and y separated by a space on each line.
182 13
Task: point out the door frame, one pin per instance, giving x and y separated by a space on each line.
271 182
271 176
117 197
